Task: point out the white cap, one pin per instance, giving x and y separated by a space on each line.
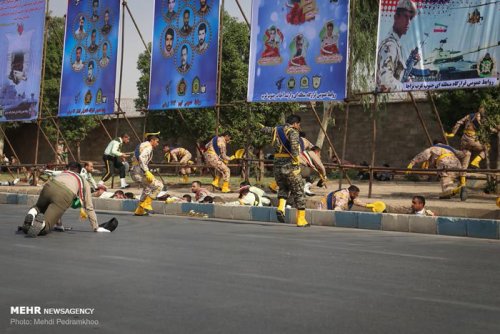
408 5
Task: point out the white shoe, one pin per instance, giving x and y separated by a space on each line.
15 181
59 228
307 189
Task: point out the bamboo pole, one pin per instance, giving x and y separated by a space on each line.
243 13
434 108
374 139
419 114
344 143
219 69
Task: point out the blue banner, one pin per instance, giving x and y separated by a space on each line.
185 54
431 44
90 58
21 39
298 50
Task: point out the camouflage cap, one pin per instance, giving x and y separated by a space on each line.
408 5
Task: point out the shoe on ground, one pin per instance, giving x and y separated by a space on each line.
125 186
59 228
280 215
37 226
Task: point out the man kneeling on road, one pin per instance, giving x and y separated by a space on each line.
57 195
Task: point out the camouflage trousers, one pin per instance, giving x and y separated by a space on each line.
219 166
185 169
148 189
448 179
290 182
469 144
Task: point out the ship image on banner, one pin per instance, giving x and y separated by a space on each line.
90 56
298 50
431 44
21 52
185 54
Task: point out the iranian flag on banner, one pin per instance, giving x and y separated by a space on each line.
438 27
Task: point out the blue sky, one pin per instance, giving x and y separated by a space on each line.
142 10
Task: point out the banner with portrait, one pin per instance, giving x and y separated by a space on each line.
298 50
21 52
90 57
185 54
431 44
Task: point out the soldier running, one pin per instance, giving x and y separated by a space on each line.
287 169
140 172
445 157
216 157
470 142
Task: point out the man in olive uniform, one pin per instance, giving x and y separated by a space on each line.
442 156
470 142
216 157
391 62
56 197
140 172
287 168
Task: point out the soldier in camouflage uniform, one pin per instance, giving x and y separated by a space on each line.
140 173
216 157
443 156
343 199
182 156
390 60
469 142
287 169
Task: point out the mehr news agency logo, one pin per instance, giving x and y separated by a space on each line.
61 316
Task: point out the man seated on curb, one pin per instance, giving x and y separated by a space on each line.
344 199
418 207
199 192
56 197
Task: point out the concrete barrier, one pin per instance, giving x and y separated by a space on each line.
450 226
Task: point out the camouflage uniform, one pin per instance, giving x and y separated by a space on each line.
340 200
391 64
182 156
439 156
217 161
142 157
469 142
286 167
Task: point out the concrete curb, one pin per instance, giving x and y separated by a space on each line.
450 226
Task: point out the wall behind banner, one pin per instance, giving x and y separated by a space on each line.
90 58
185 54
298 50
457 42
21 52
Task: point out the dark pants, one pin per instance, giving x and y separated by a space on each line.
112 162
53 201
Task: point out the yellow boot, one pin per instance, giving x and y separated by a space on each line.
475 163
273 186
215 182
225 187
301 219
462 181
139 211
146 204
280 211
185 178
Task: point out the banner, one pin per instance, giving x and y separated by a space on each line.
185 54
298 50
89 62
437 44
22 26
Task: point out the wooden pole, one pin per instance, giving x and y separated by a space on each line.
137 28
105 130
127 120
219 69
124 5
328 139
419 114
243 13
59 132
40 100
344 143
434 108
374 139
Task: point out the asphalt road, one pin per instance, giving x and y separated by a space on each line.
180 275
